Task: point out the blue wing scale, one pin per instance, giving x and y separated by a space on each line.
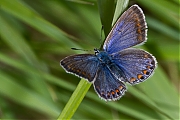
82 65
129 30
107 86
137 65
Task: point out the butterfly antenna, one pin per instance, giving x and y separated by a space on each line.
80 49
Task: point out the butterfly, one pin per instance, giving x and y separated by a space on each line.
117 63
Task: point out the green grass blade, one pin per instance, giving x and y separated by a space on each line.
106 10
21 95
75 100
120 7
20 10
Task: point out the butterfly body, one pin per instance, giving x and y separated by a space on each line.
117 63
104 58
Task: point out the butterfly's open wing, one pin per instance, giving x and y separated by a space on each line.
129 30
107 86
82 65
137 65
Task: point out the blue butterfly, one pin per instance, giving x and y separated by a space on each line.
117 63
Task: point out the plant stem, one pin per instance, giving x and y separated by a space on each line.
75 100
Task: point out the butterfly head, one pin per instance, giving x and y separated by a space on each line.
96 51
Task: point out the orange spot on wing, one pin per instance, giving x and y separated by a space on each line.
138 25
139 38
120 87
136 18
148 67
112 92
139 76
132 79
146 55
84 73
89 76
139 31
117 90
68 66
144 71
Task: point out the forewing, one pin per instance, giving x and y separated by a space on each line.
107 86
129 30
82 65
137 65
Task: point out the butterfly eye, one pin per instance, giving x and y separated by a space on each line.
96 51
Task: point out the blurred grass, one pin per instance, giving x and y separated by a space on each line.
35 36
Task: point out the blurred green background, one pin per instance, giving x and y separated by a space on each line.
36 35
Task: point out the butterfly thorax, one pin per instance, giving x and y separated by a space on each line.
104 57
